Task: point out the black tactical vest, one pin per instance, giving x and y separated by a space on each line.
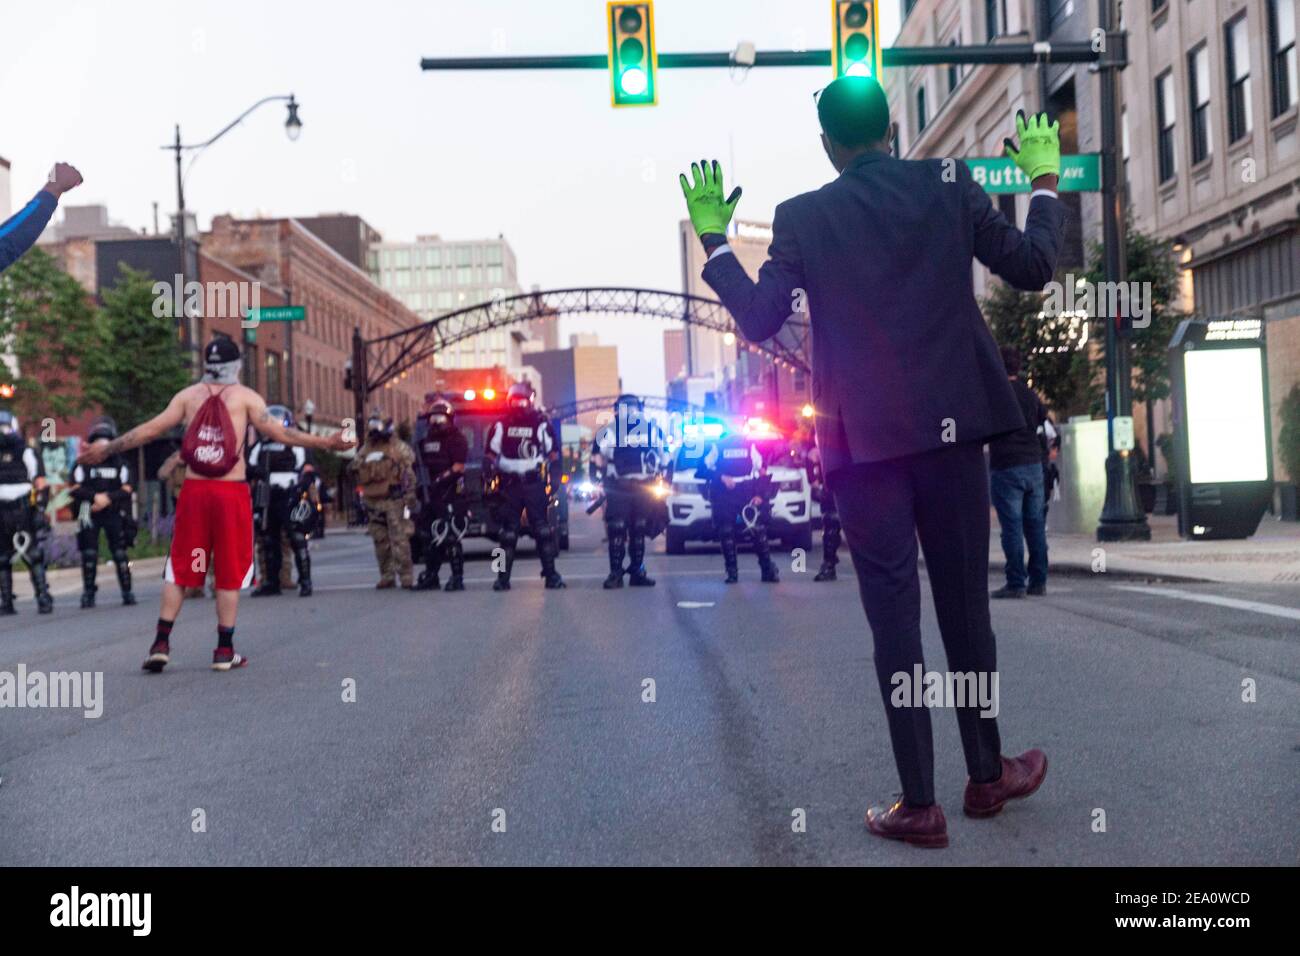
277 458
440 449
13 471
735 457
104 478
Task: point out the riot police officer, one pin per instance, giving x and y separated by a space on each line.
278 468
101 500
627 457
24 529
441 449
739 491
807 455
386 479
520 449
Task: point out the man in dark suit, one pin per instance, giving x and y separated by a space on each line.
908 385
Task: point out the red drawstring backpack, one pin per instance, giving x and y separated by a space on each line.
209 444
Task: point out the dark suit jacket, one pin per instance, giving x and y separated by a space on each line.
903 361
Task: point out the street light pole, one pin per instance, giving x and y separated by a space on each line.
292 127
1122 517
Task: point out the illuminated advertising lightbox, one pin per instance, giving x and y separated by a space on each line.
1223 463
1226 420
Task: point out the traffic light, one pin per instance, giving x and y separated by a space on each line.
632 57
856 50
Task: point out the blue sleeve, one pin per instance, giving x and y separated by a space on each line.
21 230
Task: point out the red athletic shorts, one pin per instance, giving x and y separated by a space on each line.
214 529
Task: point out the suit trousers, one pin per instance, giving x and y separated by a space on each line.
942 497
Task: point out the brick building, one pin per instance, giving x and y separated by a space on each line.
306 360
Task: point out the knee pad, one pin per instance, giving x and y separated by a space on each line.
90 554
509 539
616 526
120 557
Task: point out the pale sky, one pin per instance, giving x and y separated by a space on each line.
586 194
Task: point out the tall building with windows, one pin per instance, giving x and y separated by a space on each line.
433 276
1212 159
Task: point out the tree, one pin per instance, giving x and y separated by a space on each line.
1288 437
135 366
1054 363
1150 261
47 322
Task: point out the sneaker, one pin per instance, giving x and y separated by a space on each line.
159 657
225 659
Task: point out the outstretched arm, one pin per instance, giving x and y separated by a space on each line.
759 308
270 426
155 427
23 228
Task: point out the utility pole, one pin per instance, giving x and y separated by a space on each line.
1122 517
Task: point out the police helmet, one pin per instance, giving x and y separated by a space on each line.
441 414
378 425
630 402
103 427
520 396
9 423
282 414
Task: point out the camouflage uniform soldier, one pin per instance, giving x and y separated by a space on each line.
384 467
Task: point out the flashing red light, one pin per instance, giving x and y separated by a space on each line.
489 393
6 390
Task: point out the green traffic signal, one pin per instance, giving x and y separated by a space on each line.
632 54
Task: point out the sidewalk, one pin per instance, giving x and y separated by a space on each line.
1271 556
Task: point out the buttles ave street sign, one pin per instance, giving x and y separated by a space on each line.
1079 174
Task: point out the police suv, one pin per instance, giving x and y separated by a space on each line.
690 517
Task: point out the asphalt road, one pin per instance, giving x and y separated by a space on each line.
527 708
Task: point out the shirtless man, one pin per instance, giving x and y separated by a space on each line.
214 516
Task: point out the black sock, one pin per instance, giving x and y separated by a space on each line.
164 631
225 637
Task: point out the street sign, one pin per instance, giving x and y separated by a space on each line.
278 313
1079 174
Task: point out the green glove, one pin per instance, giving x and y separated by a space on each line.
1040 146
710 213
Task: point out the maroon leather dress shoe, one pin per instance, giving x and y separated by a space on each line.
920 826
1021 776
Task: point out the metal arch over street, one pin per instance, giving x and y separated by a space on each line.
391 355
569 410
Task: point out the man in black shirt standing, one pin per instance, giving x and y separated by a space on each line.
1016 486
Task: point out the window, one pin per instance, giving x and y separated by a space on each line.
272 378
1198 98
402 258
991 22
1281 37
1166 117
1158 5
954 73
464 256
464 274
494 255
495 274
921 118
433 256
1238 61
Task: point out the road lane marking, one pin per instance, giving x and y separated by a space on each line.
691 605
1274 610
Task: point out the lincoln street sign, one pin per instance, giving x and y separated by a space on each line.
278 313
1079 174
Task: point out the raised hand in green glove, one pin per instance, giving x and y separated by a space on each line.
1040 146
710 213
